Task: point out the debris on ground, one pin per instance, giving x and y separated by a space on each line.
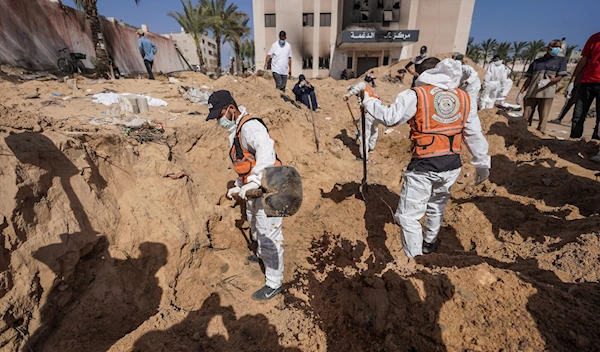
195 95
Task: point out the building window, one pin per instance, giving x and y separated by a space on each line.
386 60
307 63
388 16
210 53
308 20
270 20
324 63
349 65
203 41
364 16
380 4
325 20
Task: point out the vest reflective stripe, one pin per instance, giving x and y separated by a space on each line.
436 129
243 160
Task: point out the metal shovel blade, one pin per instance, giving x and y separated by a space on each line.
283 191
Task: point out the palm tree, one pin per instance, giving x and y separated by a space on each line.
220 16
193 21
488 45
517 48
247 51
91 12
569 51
234 34
503 50
531 53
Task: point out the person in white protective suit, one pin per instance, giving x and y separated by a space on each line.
469 81
495 83
251 152
440 117
371 128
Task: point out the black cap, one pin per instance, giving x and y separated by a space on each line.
423 49
459 57
282 34
496 57
216 102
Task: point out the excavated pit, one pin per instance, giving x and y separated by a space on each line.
102 252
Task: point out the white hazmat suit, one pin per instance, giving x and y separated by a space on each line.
495 84
266 231
371 126
470 83
426 193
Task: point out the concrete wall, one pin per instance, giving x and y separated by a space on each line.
33 31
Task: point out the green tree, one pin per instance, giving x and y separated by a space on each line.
503 50
91 11
488 46
569 51
247 51
220 16
234 34
517 48
193 21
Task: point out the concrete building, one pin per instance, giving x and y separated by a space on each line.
186 44
328 36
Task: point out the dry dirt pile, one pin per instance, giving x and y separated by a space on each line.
102 252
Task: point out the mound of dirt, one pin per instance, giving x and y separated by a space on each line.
102 252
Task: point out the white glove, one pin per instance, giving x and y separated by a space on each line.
253 184
481 174
519 98
543 83
356 89
570 90
233 191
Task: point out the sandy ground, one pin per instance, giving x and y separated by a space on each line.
102 252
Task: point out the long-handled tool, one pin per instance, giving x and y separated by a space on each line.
281 191
312 116
352 115
365 155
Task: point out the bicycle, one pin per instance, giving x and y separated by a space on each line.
70 62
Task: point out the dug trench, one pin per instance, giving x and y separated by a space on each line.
102 252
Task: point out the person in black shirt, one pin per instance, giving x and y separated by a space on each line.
417 61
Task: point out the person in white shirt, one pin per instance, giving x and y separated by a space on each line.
280 60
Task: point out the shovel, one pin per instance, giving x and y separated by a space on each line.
281 191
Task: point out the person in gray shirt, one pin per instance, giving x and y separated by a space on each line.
543 76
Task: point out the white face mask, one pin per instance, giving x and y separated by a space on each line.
227 123
498 63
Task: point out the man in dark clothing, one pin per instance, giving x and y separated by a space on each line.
417 61
370 78
571 98
305 93
148 50
588 87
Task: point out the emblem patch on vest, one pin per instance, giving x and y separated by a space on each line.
446 105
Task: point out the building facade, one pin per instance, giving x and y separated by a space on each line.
329 36
187 45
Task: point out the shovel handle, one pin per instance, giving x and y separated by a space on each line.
255 193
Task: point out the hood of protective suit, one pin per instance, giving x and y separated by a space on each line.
445 75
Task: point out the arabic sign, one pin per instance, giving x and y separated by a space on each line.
379 36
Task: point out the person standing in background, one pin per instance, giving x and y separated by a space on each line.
416 62
469 81
543 76
588 87
148 50
494 83
280 61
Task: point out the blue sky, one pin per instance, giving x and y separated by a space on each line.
504 20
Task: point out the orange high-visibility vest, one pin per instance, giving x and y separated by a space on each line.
436 129
243 160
